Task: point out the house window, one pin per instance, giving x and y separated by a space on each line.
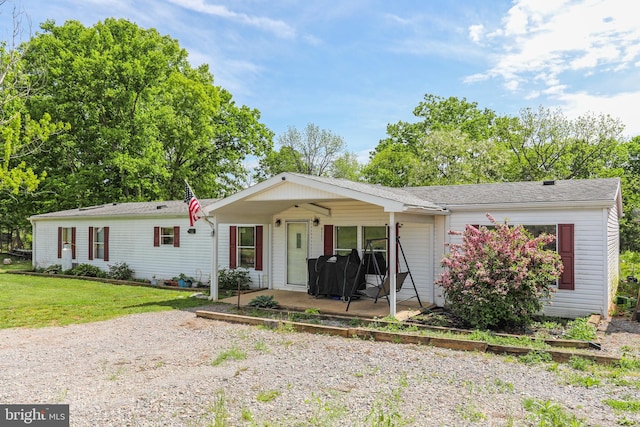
537 230
563 245
379 243
246 247
67 235
346 239
376 262
98 242
166 236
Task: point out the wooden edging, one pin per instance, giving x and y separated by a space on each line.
400 337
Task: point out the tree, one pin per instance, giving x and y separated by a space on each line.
499 276
313 151
454 142
547 145
142 119
20 133
630 222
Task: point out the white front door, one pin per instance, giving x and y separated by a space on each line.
297 253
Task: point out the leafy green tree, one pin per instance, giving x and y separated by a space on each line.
545 144
630 222
313 151
454 142
347 166
142 119
21 134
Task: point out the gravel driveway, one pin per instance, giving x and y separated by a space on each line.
158 369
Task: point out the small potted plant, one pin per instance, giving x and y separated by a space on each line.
184 281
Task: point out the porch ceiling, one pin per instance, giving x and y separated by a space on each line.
260 211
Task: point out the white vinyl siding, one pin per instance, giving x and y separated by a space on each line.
131 241
589 262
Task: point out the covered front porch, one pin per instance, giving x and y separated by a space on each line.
292 219
301 301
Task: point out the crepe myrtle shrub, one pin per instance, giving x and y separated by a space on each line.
499 276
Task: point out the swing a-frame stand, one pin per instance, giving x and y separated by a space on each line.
373 265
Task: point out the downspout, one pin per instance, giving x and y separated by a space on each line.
213 285
392 264
269 257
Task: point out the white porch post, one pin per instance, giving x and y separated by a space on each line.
213 285
392 263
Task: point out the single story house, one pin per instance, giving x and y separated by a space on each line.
274 227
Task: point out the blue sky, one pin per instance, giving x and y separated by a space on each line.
354 66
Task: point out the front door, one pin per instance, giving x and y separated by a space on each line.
297 253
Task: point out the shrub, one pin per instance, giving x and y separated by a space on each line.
228 278
120 271
499 276
87 270
53 269
264 301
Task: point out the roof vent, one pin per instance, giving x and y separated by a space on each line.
550 182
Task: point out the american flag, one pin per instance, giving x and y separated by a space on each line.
194 205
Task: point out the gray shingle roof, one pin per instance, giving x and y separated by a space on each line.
578 190
431 197
170 208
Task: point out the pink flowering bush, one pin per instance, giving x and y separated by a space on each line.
499 276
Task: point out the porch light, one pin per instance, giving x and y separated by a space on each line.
316 221
278 222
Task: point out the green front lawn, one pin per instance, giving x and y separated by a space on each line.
30 301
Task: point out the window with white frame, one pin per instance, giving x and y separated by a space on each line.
67 236
98 242
346 239
167 235
246 247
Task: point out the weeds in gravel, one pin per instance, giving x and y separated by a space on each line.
535 357
631 405
470 413
231 354
219 411
549 414
326 412
261 346
267 395
582 380
246 415
580 329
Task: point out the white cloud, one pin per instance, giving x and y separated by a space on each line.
557 48
621 106
280 28
476 32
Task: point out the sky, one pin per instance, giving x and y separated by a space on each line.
354 66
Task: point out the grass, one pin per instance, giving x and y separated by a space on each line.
35 301
231 354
